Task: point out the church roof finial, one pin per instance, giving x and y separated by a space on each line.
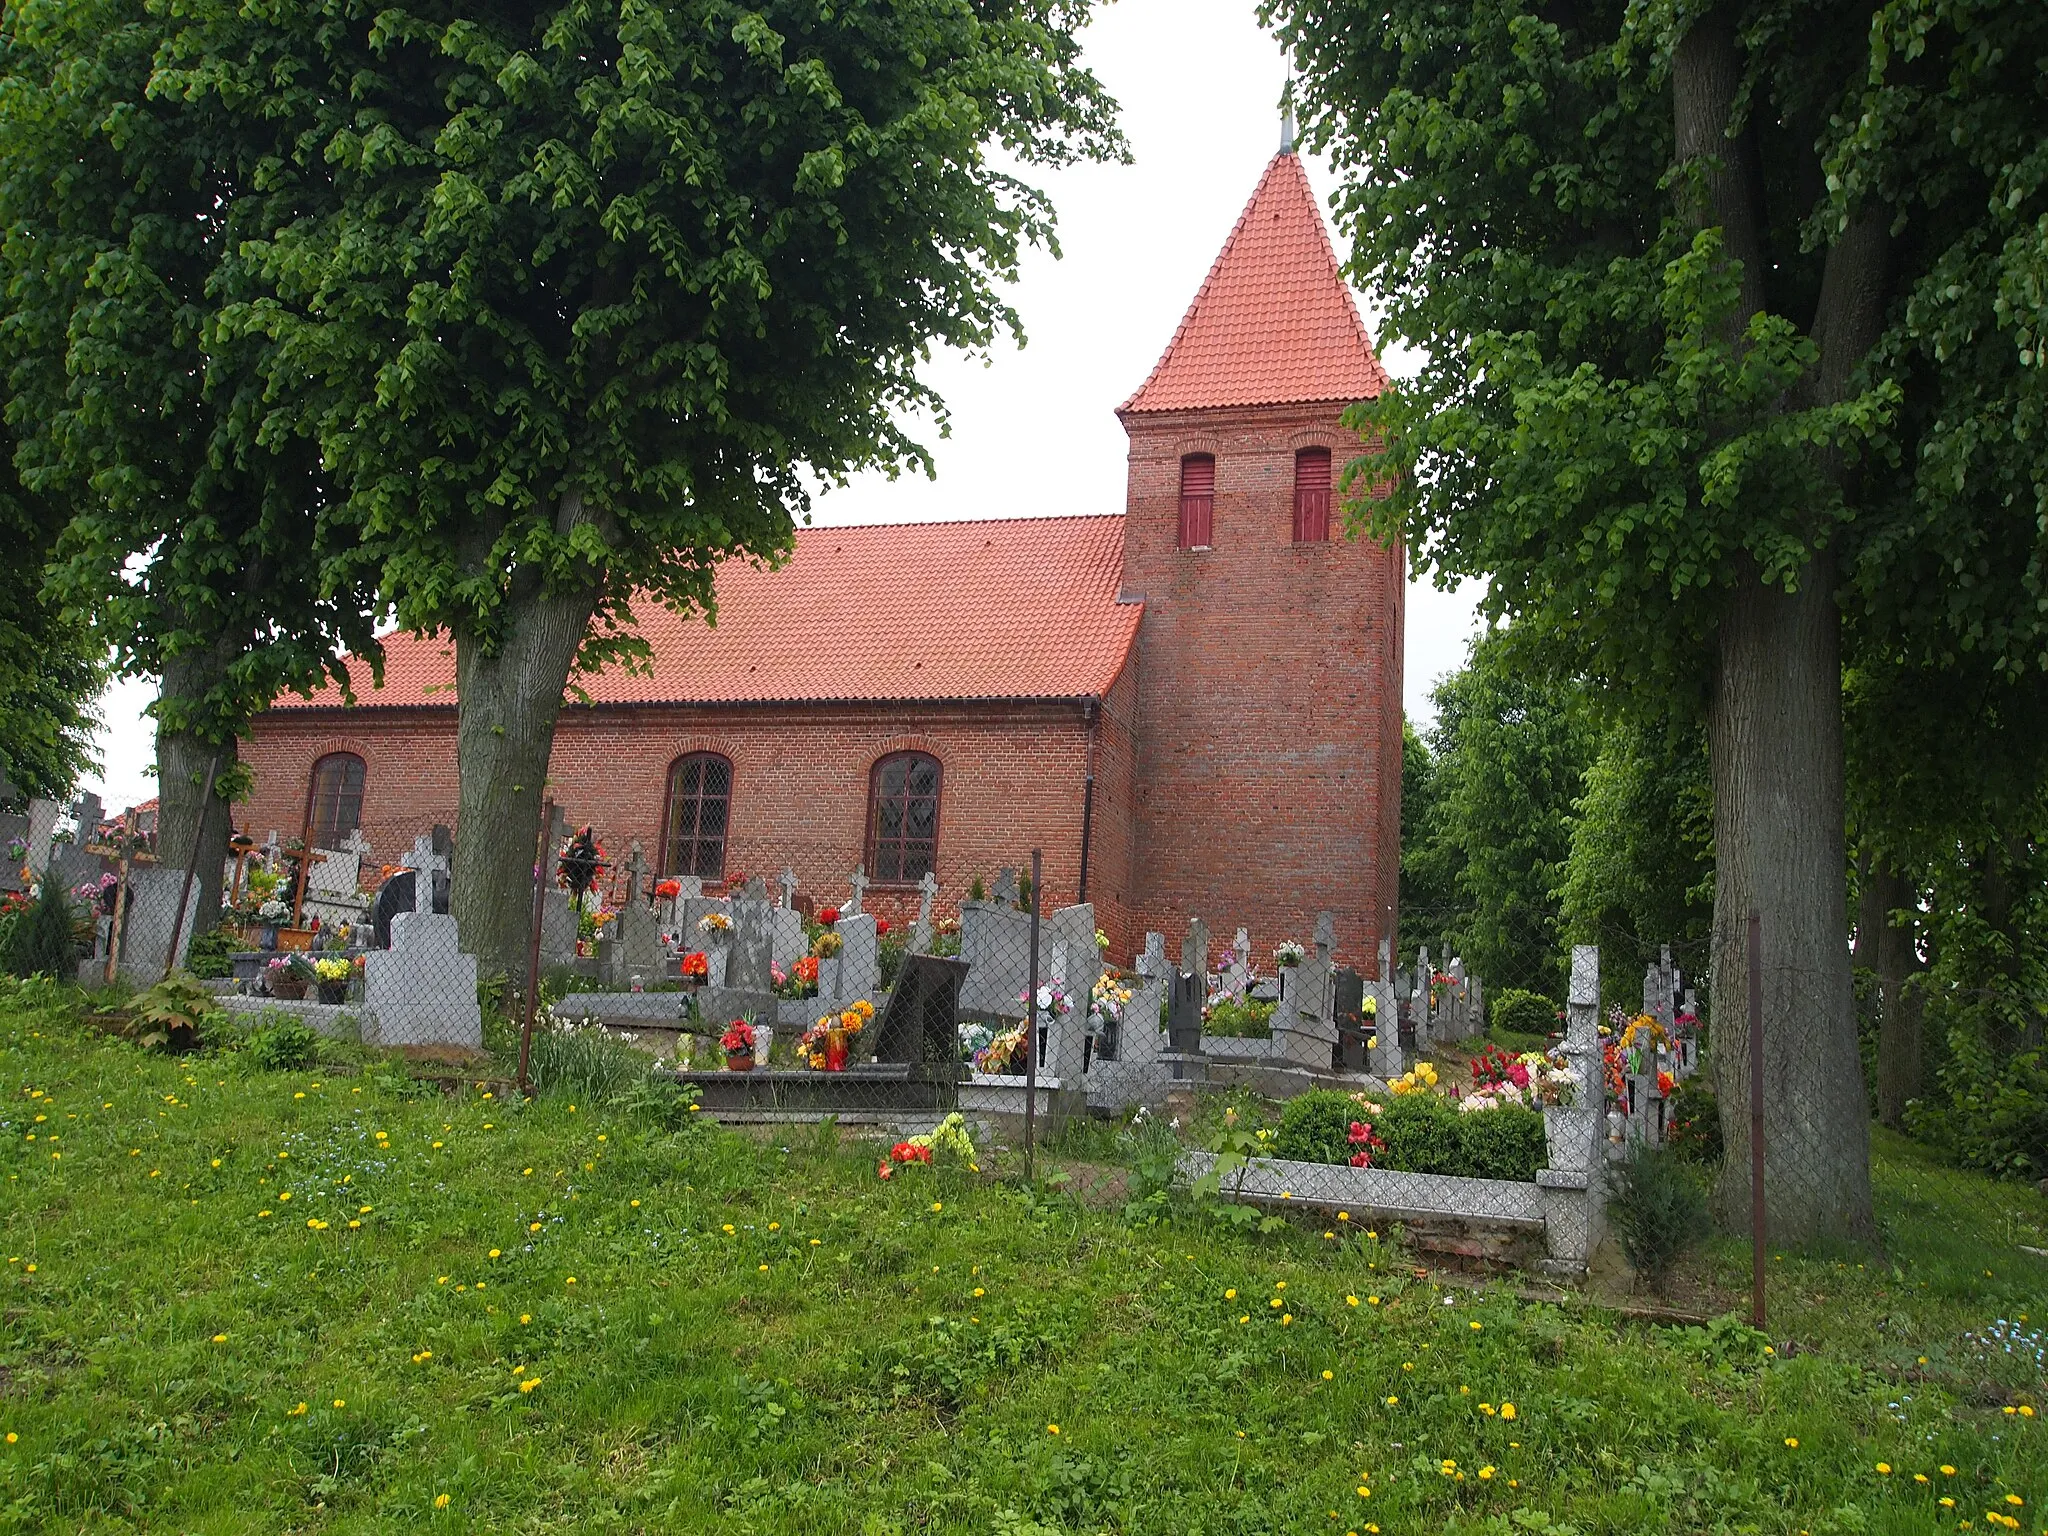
1287 116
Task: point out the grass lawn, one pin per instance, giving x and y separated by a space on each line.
247 1301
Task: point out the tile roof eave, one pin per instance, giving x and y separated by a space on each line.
789 703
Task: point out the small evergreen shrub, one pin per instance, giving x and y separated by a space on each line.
1422 1134
1316 1127
1657 1209
280 1043
1505 1143
43 940
1516 1012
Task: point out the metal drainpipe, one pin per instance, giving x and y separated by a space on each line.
1088 801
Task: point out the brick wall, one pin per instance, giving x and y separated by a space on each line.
1268 753
1013 777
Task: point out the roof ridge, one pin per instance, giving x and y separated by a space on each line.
964 522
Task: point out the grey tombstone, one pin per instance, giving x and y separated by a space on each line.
751 951
1237 965
422 990
995 942
1073 963
1383 1031
857 886
860 960
557 929
1304 1026
921 935
1133 1071
785 885
1386 970
1420 1006
635 949
149 919
756 889
1194 952
1006 891
789 943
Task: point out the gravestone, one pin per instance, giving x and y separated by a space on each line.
789 943
995 943
1006 889
748 989
1138 1072
920 1026
785 887
921 935
1386 970
860 960
1347 992
1070 961
1185 995
332 884
557 929
1194 952
149 919
1236 973
635 946
1383 1031
1422 1010
857 886
422 990
1303 1027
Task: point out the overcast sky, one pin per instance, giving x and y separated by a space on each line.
1200 85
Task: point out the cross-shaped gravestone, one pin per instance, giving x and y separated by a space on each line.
858 884
91 813
786 884
1152 962
356 843
921 935
1005 892
1326 934
636 873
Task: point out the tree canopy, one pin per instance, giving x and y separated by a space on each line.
577 299
1732 315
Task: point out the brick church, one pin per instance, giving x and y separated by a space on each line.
1193 708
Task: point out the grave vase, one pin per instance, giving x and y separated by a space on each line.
835 1050
1571 1134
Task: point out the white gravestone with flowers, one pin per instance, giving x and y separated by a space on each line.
422 990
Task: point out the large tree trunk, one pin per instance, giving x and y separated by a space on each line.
1778 820
183 756
1885 946
509 699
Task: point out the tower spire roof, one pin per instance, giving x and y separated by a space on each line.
1273 323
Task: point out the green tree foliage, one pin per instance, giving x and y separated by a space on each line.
1509 755
191 516
1641 869
51 662
576 300
1732 314
42 940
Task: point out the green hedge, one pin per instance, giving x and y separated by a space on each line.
1522 1013
1423 1132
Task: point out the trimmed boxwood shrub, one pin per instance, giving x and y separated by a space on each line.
1423 1134
1522 1013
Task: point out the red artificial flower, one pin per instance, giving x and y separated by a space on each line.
905 1152
738 1039
1665 1083
881 926
883 1170
1361 1159
696 964
828 917
669 890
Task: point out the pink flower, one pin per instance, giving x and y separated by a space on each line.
1360 1133
1361 1159
1518 1075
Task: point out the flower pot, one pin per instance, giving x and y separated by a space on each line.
333 991
266 935
1571 1135
291 988
736 1061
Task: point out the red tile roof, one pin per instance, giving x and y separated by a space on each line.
1016 608
1273 323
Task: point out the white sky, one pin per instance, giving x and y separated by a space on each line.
1199 85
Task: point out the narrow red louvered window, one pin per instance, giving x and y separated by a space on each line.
1197 500
1312 496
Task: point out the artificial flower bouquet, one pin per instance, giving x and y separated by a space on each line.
798 982
696 966
714 923
1289 954
945 1143
828 1044
1004 1053
738 1044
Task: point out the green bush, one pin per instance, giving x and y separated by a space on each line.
44 938
1692 1123
1657 1209
1241 1019
1423 1134
1315 1128
280 1043
1505 1143
1516 1012
1990 1112
207 956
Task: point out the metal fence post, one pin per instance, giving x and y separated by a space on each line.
1031 1022
540 887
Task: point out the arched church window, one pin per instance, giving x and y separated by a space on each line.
1312 496
699 808
903 817
335 803
1197 500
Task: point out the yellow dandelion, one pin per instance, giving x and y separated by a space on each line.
1052 1429
440 1501
529 1384
1329 1375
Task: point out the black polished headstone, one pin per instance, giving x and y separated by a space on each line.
1348 988
920 1024
1185 994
